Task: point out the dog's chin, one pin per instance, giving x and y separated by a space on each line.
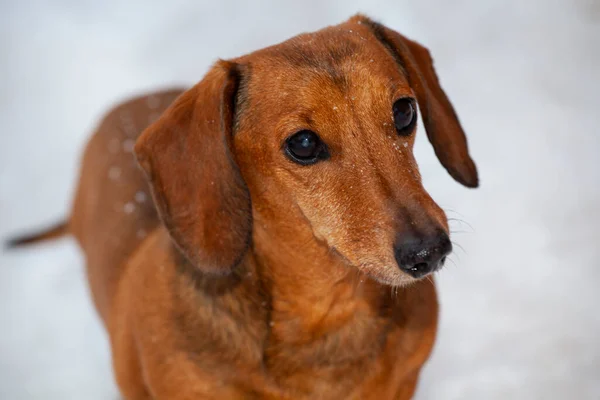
387 275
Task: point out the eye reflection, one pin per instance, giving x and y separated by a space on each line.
404 116
305 147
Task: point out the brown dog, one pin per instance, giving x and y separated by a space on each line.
284 261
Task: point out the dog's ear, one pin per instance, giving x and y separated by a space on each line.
195 182
441 123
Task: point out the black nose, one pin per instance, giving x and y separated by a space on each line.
419 256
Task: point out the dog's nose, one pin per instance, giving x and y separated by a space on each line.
419 256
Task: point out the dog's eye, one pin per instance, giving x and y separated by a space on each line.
305 148
404 116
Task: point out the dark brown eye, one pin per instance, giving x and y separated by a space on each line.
404 116
305 147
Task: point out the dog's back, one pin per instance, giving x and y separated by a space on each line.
113 210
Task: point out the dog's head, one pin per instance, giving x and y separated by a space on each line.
315 132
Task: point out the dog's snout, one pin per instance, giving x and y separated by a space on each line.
419 256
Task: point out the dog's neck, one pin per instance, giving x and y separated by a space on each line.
313 292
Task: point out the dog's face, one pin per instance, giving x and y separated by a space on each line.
321 130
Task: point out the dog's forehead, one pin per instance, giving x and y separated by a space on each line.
342 57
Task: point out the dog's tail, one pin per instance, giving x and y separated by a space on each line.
54 232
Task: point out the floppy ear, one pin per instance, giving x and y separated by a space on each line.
441 123
197 187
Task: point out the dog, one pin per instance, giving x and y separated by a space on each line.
275 242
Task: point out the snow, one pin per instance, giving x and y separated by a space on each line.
519 307
128 145
129 207
114 173
140 196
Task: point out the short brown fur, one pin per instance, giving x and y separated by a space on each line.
257 277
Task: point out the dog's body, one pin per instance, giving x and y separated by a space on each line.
177 335
234 289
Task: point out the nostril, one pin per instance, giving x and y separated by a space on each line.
443 260
420 267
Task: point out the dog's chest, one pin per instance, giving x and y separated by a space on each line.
331 364
352 351
345 366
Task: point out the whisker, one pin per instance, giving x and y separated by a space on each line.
459 246
453 262
461 222
394 292
457 256
451 210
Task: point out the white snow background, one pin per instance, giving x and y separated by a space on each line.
520 316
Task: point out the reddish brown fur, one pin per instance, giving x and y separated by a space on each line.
282 282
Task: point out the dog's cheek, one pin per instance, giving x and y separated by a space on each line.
324 223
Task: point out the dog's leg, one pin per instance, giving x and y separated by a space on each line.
128 371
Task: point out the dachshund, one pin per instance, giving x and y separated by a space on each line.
266 234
